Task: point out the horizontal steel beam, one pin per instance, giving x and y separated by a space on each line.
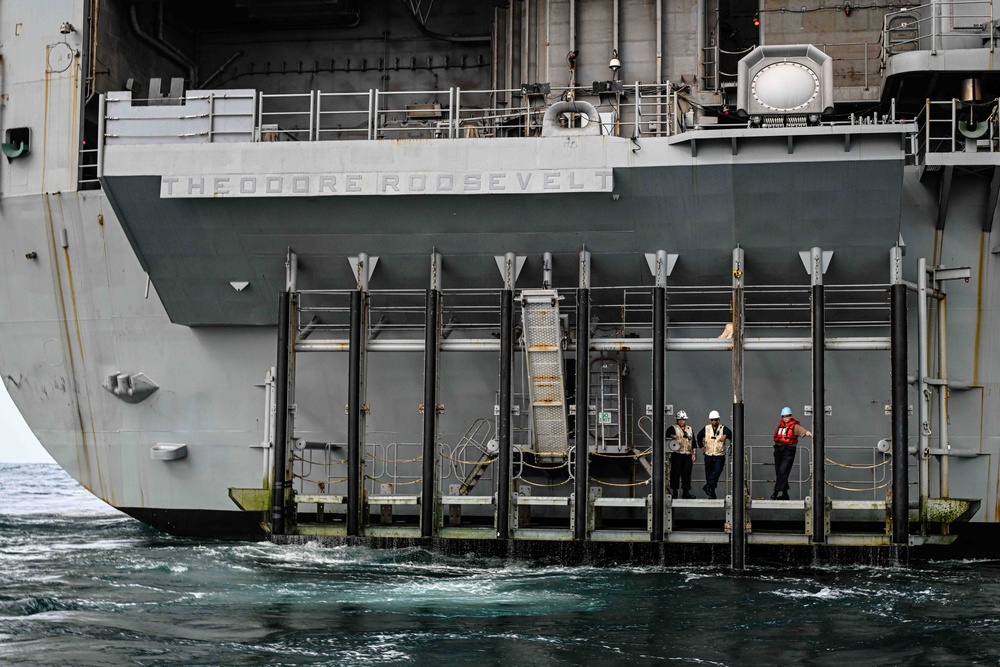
608 344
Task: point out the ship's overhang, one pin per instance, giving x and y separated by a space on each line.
201 218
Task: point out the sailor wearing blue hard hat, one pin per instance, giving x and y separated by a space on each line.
786 439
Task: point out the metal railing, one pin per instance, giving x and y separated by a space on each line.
941 24
639 109
947 126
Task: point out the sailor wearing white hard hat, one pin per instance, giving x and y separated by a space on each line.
682 455
713 440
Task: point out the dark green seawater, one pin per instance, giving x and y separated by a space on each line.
81 584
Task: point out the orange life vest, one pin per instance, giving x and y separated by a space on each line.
785 435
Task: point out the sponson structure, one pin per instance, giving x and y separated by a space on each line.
444 273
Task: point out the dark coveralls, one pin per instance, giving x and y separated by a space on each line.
714 465
681 461
784 455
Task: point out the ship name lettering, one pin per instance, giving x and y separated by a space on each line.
273 185
524 180
220 185
300 185
196 184
604 176
169 182
573 185
248 185
473 182
445 183
390 181
495 184
418 183
549 180
328 183
353 183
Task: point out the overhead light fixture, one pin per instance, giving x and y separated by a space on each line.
615 63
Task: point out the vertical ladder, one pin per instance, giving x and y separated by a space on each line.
606 398
546 383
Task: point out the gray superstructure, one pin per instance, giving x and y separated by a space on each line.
412 176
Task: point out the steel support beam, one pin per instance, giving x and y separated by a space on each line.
737 534
503 428
281 416
354 432
818 397
900 408
659 464
432 330
581 486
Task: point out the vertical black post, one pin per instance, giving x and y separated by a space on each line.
431 332
280 417
738 492
582 486
819 413
503 430
900 414
739 484
659 464
354 415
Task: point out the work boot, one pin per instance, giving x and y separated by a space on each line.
708 490
784 496
774 496
687 495
711 494
674 494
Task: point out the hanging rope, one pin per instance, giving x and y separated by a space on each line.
857 467
549 486
318 463
631 484
531 465
469 463
382 481
317 482
378 458
844 488
623 456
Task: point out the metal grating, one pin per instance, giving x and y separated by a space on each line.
546 384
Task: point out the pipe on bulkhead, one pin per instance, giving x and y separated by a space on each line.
222 68
615 9
547 270
943 439
572 46
165 49
525 36
659 42
900 408
923 412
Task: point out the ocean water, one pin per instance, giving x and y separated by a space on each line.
81 584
